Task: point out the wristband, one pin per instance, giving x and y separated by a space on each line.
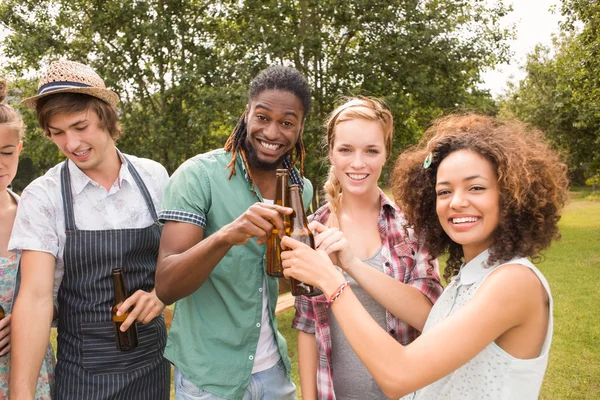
337 293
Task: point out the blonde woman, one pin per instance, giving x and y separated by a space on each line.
382 257
11 133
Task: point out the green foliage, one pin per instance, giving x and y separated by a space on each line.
561 92
182 67
594 180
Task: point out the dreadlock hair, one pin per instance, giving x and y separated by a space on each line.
273 78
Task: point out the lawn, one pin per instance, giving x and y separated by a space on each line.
571 266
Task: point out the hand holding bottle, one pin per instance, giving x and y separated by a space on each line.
313 267
142 307
334 243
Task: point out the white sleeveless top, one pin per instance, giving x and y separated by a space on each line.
493 374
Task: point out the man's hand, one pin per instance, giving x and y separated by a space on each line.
144 308
5 335
257 221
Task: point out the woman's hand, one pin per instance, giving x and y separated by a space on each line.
309 266
334 243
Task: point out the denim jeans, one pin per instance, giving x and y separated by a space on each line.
270 384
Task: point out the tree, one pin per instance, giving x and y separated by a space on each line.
561 91
182 66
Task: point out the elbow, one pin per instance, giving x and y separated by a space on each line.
392 386
162 291
162 286
393 393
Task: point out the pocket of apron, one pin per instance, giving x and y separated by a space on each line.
101 355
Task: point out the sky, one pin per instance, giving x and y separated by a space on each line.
535 23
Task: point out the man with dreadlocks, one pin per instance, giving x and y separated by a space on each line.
224 340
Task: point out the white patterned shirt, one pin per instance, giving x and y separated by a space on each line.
40 221
493 373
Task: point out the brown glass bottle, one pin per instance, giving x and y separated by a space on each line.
2 313
127 340
274 267
299 231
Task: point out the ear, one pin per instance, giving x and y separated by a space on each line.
246 111
19 147
330 154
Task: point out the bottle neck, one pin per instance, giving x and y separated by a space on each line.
120 291
299 220
281 191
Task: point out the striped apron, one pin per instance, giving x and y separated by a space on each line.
89 365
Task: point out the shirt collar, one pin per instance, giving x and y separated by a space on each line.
79 180
475 269
387 204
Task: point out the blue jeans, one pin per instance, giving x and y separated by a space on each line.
270 384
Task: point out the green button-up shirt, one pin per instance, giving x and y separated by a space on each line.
214 335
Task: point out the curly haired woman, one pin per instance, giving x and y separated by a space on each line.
488 193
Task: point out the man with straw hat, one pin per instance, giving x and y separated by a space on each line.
86 216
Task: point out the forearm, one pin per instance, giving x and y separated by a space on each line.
179 275
30 326
307 364
403 301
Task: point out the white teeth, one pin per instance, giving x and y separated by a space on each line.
358 177
463 220
81 153
269 146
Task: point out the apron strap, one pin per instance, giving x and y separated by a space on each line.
67 195
138 179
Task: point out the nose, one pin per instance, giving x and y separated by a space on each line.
357 161
271 131
72 141
459 200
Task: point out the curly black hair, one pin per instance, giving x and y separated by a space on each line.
276 77
532 182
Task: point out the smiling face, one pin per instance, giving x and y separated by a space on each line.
468 201
10 147
274 123
79 137
358 155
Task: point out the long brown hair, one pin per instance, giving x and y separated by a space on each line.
532 182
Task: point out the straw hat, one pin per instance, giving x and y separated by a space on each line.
71 77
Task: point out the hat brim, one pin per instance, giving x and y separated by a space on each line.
105 95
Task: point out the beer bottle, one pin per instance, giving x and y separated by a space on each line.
274 267
127 340
299 231
2 313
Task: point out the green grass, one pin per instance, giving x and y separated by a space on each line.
571 266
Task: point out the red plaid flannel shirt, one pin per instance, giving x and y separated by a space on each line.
404 259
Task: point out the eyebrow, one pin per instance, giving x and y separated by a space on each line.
468 178
369 146
292 113
70 126
8 145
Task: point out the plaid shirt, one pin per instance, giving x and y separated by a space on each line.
403 259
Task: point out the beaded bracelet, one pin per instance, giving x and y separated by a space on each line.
337 293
